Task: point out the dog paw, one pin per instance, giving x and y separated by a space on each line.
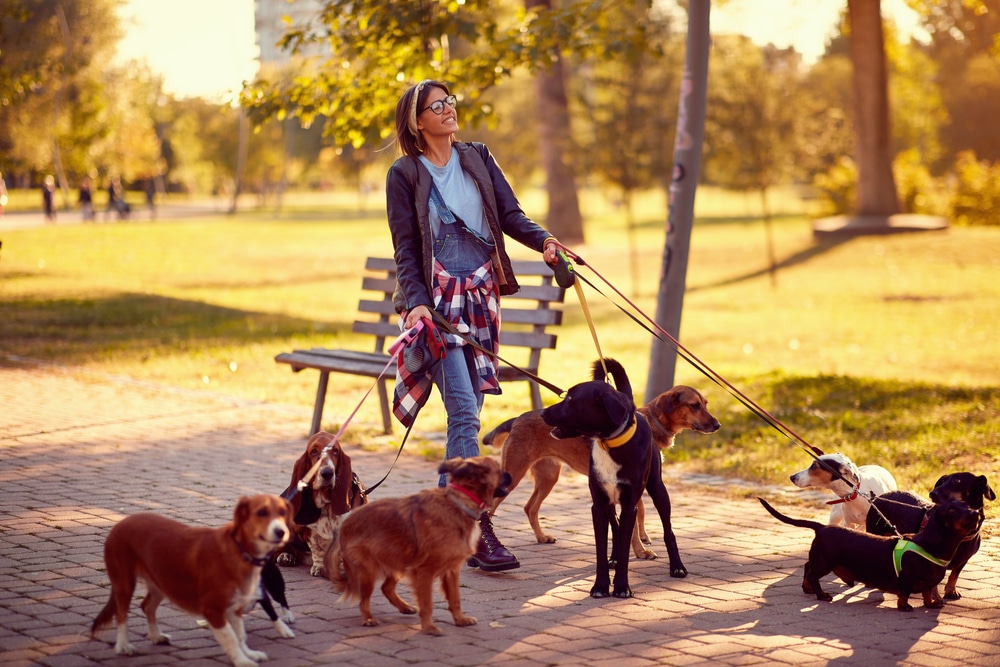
256 656
369 622
286 560
646 554
624 592
124 648
432 630
283 630
159 638
603 592
904 606
317 570
952 595
678 572
825 597
287 616
464 621
545 539
245 661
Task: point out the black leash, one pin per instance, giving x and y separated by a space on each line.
446 325
708 372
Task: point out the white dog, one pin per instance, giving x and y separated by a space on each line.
851 507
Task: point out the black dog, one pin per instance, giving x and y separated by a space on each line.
272 584
623 462
901 566
908 512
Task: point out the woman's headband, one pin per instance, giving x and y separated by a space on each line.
412 124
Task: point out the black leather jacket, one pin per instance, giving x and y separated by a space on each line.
407 190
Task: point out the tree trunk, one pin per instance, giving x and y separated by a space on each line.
873 136
680 217
555 141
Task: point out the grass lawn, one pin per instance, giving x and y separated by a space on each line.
880 347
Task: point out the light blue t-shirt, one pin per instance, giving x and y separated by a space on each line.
460 194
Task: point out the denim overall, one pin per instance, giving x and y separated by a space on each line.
460 252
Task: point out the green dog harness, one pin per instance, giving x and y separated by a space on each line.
902 546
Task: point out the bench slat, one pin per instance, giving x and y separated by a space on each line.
528 309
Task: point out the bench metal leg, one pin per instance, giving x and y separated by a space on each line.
324 378
383 399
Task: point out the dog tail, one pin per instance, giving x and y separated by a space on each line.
617 372
502 429
103 619
801 523
334 566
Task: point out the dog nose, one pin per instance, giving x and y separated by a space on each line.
327 473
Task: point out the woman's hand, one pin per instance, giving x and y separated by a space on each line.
549 250
415 315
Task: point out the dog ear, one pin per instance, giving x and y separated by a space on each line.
242 511
308 513
340 497
938 483
449 466
616 406
987 491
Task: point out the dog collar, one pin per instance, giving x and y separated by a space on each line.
250 558
902 546
845 499
471 496
620 440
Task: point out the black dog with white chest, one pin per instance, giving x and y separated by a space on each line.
908 512
623 462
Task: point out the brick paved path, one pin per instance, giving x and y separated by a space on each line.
78 453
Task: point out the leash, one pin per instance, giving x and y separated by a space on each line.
446 325
402 340
665 336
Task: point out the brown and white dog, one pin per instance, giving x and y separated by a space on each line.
209 572
526 443
423 537
850 509
319 507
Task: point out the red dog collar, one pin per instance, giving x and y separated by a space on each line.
845 499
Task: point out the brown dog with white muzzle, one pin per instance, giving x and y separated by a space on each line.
208 572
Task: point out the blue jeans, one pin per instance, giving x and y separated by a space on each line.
461 253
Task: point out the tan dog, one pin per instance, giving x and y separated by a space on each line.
526 444
423 537
318 509
209 572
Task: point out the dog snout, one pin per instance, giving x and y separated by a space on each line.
326 474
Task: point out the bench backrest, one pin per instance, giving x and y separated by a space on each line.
524 315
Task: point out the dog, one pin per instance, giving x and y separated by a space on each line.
272 585
623 462
908 512
423 537
850 509
319 507
526 444
209 572
900 566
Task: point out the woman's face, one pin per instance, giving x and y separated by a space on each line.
443 124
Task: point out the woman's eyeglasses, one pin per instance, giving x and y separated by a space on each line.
438 107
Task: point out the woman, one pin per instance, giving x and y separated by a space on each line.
449 206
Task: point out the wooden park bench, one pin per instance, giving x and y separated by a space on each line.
525 316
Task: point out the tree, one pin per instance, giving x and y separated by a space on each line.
873 136
476 45
625 129
47 78
750 141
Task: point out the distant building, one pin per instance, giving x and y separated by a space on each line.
271 24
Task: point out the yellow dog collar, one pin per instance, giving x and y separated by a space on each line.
621 439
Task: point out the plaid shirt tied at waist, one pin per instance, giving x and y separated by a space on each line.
471 305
